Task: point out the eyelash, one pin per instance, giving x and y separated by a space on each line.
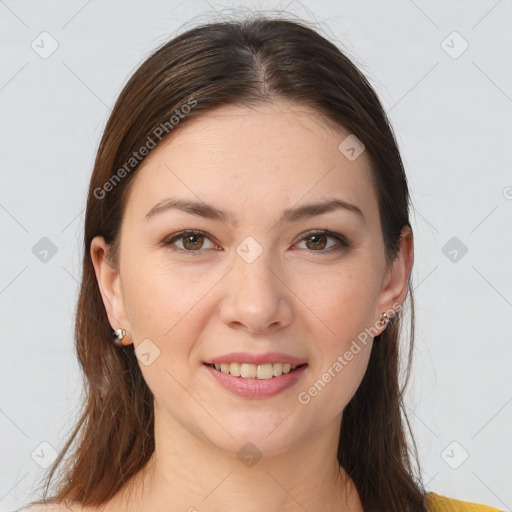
343 243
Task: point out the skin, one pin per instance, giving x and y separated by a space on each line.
294 298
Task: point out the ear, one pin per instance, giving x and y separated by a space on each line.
110 286
394 286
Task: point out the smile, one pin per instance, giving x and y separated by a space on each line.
256 381
255 371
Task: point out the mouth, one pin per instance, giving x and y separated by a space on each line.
249 371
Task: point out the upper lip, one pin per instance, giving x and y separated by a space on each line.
247 357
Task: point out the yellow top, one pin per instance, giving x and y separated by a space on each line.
437 503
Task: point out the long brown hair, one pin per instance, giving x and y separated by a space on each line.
247 61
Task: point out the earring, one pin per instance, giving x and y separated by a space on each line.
384 319
118 334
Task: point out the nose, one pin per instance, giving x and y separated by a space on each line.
257 299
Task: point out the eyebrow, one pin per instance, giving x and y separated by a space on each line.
290 215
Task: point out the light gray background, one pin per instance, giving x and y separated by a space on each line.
452 116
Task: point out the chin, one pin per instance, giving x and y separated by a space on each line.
249 446
257 433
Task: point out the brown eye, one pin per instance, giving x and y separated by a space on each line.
319 242
189 241
193 242
316 242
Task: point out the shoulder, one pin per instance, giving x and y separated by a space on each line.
438 503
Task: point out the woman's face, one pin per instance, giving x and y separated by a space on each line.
259 278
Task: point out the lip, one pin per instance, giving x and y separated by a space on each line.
256 388
247 357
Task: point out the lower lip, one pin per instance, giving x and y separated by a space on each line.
256 388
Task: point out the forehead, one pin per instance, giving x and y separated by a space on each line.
241 157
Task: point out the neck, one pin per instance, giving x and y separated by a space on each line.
187 473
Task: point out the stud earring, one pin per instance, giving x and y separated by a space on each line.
118 335
384 319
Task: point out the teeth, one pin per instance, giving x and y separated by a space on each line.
255 371
234 369
248 371
265 371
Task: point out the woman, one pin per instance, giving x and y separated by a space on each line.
248 244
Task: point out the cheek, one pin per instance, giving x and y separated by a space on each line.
338 372
160 297
168 305
341 310
164 306
342 302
